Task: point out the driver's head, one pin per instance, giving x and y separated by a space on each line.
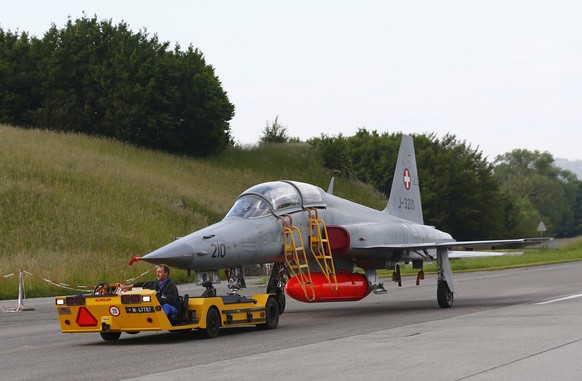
162 272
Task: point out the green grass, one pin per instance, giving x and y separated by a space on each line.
74 209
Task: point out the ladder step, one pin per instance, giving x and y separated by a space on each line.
321 251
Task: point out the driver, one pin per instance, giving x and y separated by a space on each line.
167 292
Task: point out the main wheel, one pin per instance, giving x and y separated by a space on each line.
212 324
444 295
110 336
271 314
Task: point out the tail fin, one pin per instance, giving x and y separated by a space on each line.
404 201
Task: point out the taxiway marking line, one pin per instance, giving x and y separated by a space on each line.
560 299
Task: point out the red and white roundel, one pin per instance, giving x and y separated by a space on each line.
406 178
114 311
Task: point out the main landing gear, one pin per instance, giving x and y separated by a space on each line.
444 295
445 285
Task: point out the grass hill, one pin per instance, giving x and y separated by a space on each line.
74 209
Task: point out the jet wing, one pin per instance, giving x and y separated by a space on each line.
474 254
451 244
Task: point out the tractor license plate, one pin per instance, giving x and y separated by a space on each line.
139 310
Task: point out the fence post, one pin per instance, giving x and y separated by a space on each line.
20 306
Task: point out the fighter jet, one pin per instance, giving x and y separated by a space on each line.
323 248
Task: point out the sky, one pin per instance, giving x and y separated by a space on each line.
499 75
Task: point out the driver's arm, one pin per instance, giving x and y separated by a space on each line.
128 287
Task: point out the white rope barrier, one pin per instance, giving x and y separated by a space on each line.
21 290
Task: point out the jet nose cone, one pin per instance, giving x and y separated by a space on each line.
175 254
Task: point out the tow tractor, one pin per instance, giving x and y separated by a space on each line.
110 313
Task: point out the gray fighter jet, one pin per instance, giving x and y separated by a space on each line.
316 241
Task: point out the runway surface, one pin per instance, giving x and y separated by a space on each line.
510 324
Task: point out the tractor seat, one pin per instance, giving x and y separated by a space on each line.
181 307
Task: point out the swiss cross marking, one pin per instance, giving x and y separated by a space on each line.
407 179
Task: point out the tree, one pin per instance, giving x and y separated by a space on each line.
334 152
532 181
102 79
18 77
274 132
459 193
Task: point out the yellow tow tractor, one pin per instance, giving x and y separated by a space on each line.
110 313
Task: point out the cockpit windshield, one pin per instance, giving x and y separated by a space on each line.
278 197
281 195
249 206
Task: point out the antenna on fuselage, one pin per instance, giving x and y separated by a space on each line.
330 188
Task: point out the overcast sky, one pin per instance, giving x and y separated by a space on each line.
500 75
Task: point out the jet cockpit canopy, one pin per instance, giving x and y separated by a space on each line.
278 198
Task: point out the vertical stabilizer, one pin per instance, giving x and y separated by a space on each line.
404 201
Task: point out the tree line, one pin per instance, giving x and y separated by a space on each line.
462 193
98 78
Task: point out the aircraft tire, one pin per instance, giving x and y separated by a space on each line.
444 295
281 300
110 336
212 324
271 315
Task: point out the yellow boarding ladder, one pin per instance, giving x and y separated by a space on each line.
295 257
321 249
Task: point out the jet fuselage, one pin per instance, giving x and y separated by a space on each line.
238 241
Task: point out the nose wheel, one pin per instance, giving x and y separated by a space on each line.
236 280
276 285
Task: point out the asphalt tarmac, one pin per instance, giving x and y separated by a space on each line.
511 324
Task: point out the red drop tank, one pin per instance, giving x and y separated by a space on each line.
350 287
